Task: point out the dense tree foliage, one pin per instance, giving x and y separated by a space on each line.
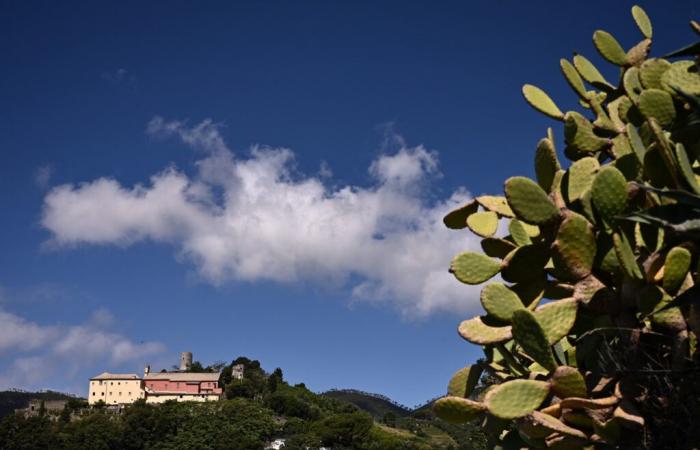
259 408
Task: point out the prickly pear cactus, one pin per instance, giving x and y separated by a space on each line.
595 331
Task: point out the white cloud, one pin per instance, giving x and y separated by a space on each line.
256 218
38 354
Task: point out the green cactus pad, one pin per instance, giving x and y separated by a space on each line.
657 104
497 204
589 403
642 21
499 301
579 135
483 223
517 398
557 318
474 268
546 164
518 233
651 71
575 246
636 142
529 202
632 84
609 193
557 426
539 100
589 73
567 381
625 255
497 248
609 48
580 179
676 268
682 75
464 380
686 169
670 319
458 410
573 78
457 219
528 333
477 332
524 263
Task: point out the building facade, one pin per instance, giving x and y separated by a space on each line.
115 388
126 388
182 386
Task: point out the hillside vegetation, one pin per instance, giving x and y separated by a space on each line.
257 409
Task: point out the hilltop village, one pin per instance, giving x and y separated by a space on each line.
158 387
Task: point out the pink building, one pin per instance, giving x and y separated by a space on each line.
182 386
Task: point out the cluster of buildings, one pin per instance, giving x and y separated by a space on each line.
159 387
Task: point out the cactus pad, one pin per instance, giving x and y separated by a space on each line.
518 233
609 48
589 73
474 268
575 246
529 202
539 100
499 301
682 75
497 204
464 380
528 333
567 381
676 267
483 223
581 174
573 78
458 410
650 72
497 248
625 255
609 193
632 84
589 403
517 398
557 318
686 169
557 426
477 332
457 219
579 135
657 104
546 164
642 21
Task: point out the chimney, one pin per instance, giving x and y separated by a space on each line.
146 370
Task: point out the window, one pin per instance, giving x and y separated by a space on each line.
93 394
110 393
120 392
102 394
119 382
111 383
129 393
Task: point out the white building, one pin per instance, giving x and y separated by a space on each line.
115 388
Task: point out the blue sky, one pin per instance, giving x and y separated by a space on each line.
265 178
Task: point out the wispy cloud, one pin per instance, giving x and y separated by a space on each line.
272 223
42 176
35 354
119 76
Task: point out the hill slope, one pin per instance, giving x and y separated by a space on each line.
375 404
11 400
